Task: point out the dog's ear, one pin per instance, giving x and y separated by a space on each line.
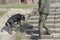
7 24
23 18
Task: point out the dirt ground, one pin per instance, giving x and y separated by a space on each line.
4 35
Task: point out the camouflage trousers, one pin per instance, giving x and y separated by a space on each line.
42 22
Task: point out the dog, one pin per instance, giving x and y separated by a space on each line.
15 18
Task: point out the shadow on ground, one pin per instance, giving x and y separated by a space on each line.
24 28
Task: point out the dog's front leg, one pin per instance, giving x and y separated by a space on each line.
11 28
20 22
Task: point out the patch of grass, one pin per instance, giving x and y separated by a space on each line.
2 13
18 5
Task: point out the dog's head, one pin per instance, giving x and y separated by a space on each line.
23 17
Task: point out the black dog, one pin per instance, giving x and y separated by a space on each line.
15 18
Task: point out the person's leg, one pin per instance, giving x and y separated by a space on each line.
42 20
40 27
44 26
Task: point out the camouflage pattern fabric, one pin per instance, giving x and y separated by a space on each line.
43 11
